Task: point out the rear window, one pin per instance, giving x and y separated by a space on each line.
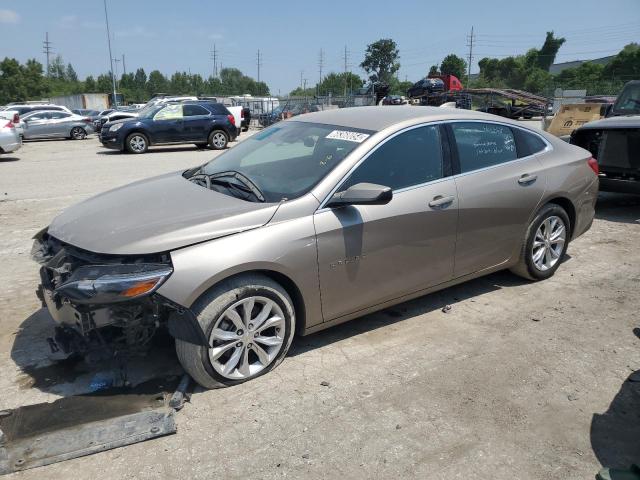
527 143
482 145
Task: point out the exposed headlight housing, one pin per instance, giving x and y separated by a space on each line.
96 284
115 128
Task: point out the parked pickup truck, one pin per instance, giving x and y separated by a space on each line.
615 142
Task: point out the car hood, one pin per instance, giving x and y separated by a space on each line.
631 121
156 215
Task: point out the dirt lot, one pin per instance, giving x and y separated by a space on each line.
519 380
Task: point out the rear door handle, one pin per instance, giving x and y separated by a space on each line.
527 179
440 201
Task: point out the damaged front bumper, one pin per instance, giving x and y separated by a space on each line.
107 303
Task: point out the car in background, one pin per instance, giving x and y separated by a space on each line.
425 86
113 115
25 108
84 112
194 121
56 124
307 224
615 142
246 119
394 100
10 140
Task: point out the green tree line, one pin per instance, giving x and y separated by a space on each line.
28 81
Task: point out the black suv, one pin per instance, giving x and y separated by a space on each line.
195 121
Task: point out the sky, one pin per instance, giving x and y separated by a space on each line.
179 36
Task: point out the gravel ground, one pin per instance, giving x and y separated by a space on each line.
518 380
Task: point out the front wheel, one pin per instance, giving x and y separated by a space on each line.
136 143
78 133
218 140
249 322
545 244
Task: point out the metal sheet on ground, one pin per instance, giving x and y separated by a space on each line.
37 435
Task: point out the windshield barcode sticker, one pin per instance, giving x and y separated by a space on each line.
348 136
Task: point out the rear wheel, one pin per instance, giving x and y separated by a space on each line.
136 143
545 243
249 322
218 139
78 133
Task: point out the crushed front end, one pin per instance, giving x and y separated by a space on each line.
106 306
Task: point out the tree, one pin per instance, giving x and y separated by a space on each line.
140 79
104 84
70 74
453 65
381 60
57 68
433 71
157 83
33 79
89 84
547 54
338 83
625 65
12 87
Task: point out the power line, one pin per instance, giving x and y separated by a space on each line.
46 45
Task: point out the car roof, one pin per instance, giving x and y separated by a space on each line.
378 118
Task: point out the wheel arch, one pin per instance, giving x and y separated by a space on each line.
282 279
568 206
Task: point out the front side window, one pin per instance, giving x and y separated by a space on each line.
482 145
290 158
169 112
410 158
58 115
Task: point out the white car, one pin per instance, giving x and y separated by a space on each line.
10 140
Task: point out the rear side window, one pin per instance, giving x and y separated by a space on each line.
59 115
194 110
482 145
218 109
410 158
527 143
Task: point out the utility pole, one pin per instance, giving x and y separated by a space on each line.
214 57
470 45
116 60
46 45
259 64
346 57
320 65
124 66
113 77
301 75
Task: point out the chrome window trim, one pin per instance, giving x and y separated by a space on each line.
548 148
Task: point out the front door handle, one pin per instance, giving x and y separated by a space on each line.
440 201
527 179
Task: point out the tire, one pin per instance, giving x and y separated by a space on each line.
136 143
211 311
218 139
78 133
536 267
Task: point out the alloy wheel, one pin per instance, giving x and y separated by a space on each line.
77 133
138 143
218 140
548 244
247 338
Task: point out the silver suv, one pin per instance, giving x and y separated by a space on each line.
307 224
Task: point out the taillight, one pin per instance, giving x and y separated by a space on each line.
232 120
593 164
16 118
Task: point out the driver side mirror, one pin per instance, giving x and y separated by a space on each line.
362 194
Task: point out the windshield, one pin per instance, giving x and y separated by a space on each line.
287 160
628 103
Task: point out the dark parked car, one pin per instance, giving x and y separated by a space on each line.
394 100
615 142
200 122
246 118
424 86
